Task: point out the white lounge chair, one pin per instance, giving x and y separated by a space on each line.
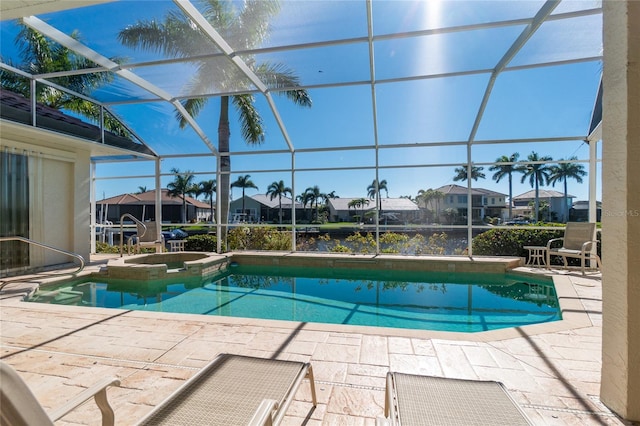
428 400
231 390
579 241
18 405
235 390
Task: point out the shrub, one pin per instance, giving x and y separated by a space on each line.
511 242
106 248
259 238
201 242
363 244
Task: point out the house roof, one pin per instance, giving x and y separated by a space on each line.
15 107
462 190
388 204
542 193
149 198
275 203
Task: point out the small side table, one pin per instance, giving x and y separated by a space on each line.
537 255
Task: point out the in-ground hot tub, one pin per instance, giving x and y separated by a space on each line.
165 265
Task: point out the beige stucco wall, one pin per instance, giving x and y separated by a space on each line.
59 191
620 388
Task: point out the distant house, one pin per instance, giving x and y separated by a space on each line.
393 210
523 203
484 202
580 211
261 208
142 206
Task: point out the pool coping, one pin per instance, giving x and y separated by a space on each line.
573 312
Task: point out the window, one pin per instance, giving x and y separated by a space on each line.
14 209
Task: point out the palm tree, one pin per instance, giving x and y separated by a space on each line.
208 187
314 195
562 172
461 173
375 189
537 173
431 195
39 55
181 186
141 189
304 199
278 189
506 169
178 37
359 202
244 182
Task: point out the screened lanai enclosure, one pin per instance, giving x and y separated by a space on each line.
315 118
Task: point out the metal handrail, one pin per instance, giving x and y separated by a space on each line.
137 222
35 243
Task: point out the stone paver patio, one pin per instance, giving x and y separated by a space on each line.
59 350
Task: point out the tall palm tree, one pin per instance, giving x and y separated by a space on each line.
563 171
244 182
247 26
278 189
208 187
375 189
431 195
461 173
537 173
40 55
141 189
314 195
359 202
506 169
182 186
304 199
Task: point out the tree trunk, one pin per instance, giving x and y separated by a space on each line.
225 167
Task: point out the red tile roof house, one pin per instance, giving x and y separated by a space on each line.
142 207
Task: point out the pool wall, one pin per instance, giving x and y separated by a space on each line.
387 262
197 264
165 265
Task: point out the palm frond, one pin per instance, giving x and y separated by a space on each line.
250 119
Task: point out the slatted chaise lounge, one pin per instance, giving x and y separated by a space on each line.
235 390
428 400
231 390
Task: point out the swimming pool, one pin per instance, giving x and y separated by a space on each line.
459 302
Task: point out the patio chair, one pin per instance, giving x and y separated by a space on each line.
429 400
579 241
231 390
18 405
146 236
235 390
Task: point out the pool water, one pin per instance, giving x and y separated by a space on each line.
429 301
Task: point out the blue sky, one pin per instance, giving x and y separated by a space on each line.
530 103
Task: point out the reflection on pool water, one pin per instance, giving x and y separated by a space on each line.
459 302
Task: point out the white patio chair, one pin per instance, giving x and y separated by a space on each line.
579 242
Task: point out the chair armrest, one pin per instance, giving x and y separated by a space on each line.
263 415
99 393
587 245
553 240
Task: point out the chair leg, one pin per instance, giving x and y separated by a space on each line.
312 383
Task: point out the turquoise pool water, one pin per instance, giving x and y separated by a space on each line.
430 301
